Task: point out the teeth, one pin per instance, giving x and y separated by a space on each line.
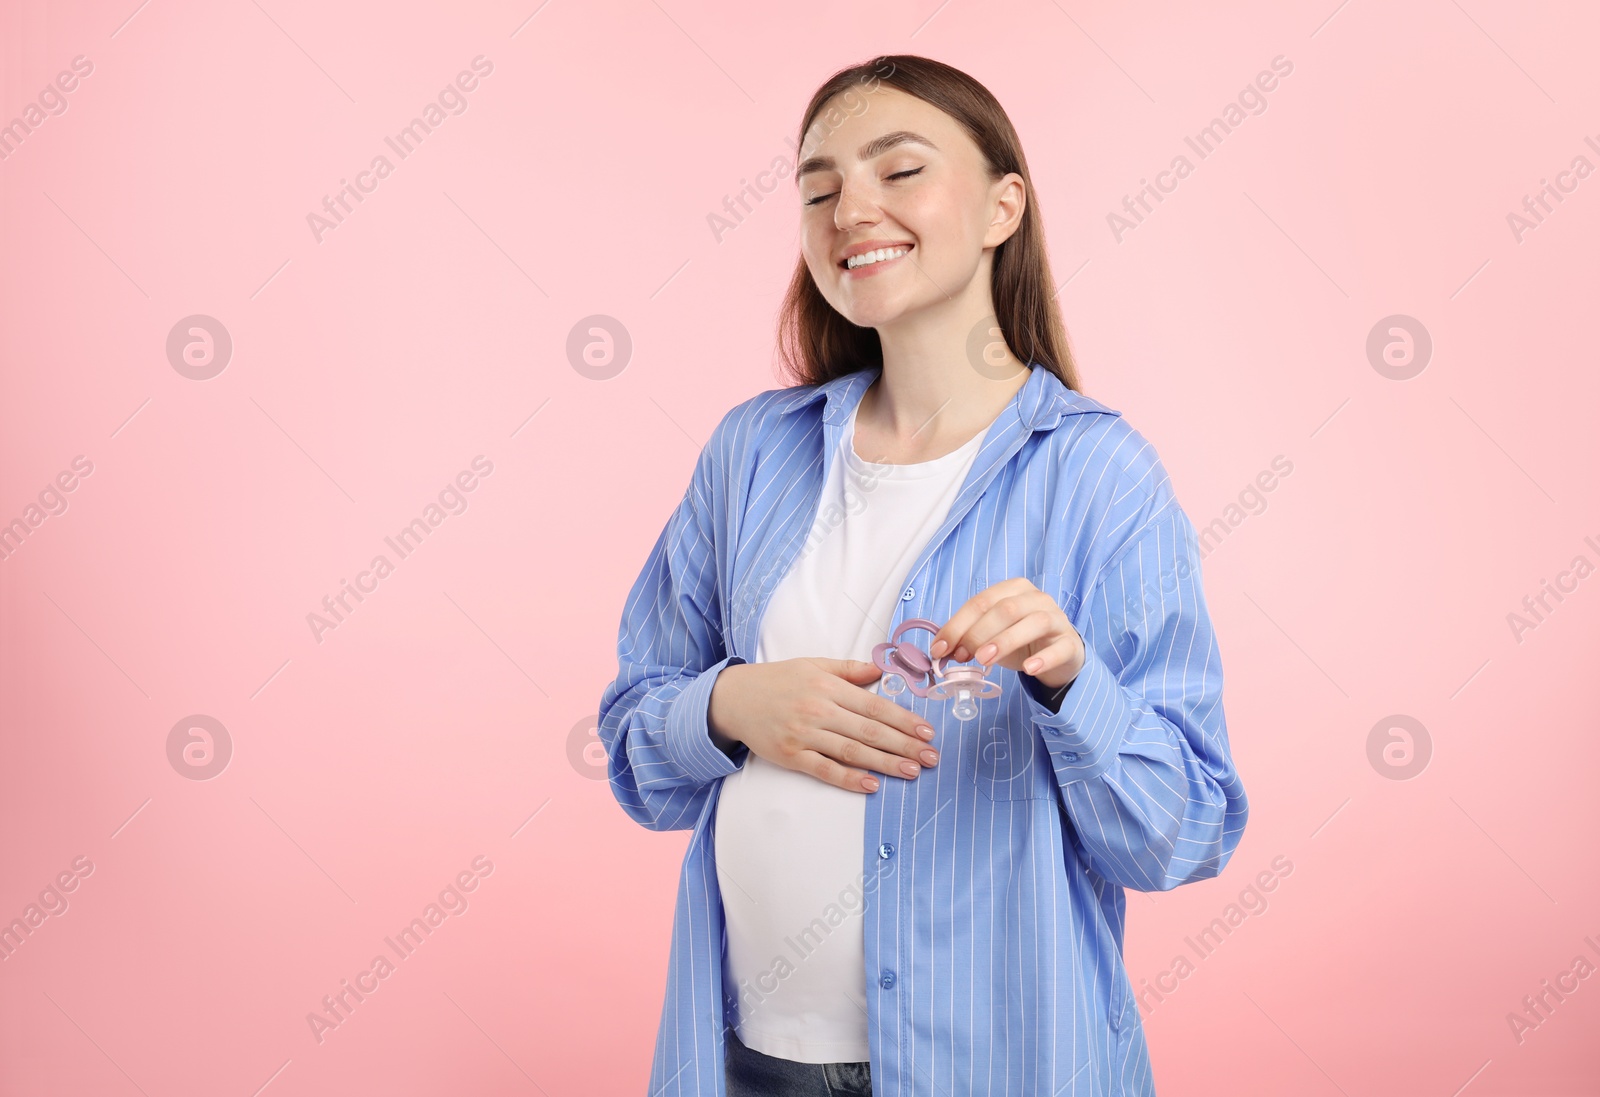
875 256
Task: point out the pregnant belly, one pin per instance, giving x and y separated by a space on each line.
786 837
787 846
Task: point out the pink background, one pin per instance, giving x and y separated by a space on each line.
450 714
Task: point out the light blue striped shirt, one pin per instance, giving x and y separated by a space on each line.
993 883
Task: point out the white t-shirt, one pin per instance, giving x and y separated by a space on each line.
789 847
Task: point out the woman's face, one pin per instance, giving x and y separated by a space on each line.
886 170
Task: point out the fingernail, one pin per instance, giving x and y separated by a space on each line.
910 769
931 757
939 648
870 784
986 652
925 731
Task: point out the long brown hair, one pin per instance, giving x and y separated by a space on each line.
817 344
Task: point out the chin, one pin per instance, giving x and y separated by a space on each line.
877 318
874 313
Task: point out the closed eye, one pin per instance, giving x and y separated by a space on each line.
896 175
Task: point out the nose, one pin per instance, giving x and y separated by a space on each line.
854 208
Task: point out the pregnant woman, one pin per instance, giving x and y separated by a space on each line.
887 891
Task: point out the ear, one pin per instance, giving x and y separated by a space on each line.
1008 198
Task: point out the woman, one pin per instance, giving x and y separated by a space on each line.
880 897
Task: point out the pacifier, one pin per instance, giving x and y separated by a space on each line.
907 666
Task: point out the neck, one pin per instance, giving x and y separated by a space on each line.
946 372
941 395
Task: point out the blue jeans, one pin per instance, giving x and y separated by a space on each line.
752 1074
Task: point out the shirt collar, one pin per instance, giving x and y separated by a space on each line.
1041 403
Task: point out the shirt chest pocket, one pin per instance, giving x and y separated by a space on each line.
1005 757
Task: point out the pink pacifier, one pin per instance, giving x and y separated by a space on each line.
905 664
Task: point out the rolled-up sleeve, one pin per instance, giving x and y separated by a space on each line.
1139 743
652 720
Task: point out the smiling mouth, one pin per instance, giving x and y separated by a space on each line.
874 258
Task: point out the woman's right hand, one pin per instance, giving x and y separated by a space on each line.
814 716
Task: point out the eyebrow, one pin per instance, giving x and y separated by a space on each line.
875 147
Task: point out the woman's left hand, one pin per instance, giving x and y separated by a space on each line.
1015 625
